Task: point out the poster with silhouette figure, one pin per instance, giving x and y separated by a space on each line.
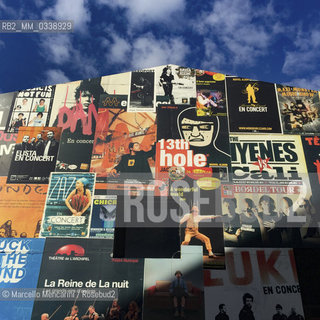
252 106
142 93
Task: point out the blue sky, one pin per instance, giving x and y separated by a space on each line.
276 41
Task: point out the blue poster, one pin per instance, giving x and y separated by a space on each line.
19 268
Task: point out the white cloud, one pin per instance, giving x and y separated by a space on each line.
56 48
55 76
307 83
76 10
39 3
149 51
9 11
86 66
143 11
119 51
305 55
214 59
60 50
297 62
241 29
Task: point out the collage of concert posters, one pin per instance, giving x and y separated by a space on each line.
161 193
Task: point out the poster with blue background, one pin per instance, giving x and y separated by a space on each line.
19 269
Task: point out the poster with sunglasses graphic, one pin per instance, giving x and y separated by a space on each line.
191 146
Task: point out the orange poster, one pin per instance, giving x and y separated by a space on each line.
21 209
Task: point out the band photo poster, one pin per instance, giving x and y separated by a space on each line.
257 284
31 108
35 155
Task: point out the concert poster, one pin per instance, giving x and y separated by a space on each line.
31 108
87 264
68 205
299 109
103 216
211 93
175 85
35 155
252 106
257 284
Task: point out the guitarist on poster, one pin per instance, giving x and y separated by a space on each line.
135 162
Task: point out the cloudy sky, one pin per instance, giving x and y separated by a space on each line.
270 40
